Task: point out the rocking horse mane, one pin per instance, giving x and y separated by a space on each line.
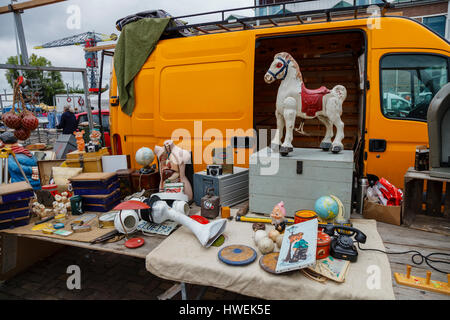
286 56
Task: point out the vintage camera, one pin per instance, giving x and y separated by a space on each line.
214 170
90 147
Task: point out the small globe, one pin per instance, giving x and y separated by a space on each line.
326 208
144 156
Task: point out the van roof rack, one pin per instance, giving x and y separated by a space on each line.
284 17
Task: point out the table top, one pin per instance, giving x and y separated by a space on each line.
151 242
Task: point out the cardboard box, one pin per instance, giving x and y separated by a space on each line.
386 214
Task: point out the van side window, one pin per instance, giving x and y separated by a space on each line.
409 82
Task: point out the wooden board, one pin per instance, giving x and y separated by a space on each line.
400 239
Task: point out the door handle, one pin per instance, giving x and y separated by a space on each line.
377 145
242 142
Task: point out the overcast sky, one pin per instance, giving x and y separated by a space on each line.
50 23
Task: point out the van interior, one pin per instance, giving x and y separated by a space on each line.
325 59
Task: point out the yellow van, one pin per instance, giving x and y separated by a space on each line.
214 81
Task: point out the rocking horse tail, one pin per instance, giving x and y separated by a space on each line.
340 92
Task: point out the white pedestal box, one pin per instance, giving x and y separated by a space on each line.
299 179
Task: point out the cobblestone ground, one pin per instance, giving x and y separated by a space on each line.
105 276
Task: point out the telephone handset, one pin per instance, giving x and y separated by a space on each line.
342 246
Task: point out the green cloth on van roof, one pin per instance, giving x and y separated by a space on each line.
136 42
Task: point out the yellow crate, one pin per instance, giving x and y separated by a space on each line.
88 161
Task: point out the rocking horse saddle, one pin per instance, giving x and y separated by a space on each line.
312 99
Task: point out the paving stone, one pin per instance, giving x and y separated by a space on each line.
103 276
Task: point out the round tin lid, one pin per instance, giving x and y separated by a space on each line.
306 214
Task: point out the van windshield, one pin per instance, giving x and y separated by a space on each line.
409 83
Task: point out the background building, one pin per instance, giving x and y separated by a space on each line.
432 13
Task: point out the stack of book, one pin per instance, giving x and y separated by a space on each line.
100 191
15 204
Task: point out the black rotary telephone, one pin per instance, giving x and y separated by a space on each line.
342 246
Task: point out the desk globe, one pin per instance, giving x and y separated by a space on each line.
145 156
326 208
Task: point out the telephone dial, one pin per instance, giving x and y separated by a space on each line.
342 246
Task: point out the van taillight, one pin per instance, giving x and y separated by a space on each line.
117 143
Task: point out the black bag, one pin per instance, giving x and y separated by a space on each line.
157 14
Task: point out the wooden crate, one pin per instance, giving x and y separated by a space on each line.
89 161
428 214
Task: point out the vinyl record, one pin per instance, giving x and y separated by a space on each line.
237 255
268 262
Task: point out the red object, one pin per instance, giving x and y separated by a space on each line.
21 150
53 188
393 195
29 121
200 219
134 243
323 245
117 144
131 205
12 120
22 133
312 100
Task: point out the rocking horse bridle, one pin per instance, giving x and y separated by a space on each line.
283 68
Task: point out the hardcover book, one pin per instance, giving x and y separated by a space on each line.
298 249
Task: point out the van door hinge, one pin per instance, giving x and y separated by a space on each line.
367 84
124 138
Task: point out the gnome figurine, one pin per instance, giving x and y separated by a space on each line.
278 217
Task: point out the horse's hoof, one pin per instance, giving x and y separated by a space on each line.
284 151
325 146
336 149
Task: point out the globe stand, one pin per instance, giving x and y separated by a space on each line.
147 169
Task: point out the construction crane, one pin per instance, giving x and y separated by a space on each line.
87 39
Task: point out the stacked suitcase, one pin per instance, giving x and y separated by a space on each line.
15 204
100 191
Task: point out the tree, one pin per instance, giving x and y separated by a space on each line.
50 81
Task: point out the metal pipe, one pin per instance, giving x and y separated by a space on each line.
88 102
39 68
21 36
100 120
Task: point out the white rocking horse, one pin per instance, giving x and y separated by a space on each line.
295 100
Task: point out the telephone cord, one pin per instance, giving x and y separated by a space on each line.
422 257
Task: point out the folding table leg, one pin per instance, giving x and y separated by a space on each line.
173 290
